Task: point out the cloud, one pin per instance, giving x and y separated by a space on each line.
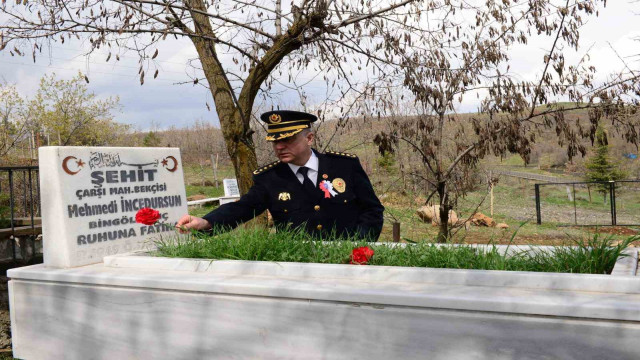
159 100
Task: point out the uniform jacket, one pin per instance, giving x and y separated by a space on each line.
355 210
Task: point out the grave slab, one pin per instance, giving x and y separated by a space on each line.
141 307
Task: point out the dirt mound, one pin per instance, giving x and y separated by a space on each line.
615 230
202 183
480 219
196 197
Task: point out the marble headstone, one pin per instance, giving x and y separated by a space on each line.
231 191
231 188
90 197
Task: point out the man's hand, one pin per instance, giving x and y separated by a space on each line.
188 223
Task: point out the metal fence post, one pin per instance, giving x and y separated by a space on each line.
38 191
615 203
538 215
33 226
396 232
24 193
11 205
575 211
612 202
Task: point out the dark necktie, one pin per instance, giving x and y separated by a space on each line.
306 183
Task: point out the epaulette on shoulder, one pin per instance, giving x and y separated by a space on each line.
265 168
335 153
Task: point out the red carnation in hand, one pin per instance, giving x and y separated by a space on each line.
361 255
147 216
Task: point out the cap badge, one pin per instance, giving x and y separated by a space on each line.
275 118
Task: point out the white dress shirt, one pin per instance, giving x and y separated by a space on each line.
312 173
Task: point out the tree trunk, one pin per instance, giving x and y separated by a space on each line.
235 113
243 157
443 231
233 121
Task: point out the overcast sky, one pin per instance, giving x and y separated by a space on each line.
162 102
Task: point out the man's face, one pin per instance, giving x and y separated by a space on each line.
295 149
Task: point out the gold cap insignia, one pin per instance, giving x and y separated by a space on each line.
275 118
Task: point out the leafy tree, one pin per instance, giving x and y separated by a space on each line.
68 114
151 139
63 112
13 127
599 166
386 161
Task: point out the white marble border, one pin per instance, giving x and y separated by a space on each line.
622 279
628 265
83 320
135 306
551 294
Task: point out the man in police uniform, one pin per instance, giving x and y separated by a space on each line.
329 194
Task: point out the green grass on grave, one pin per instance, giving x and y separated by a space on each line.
596 255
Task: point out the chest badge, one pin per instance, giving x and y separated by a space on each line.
339 185
284 196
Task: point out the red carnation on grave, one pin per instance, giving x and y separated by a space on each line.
147 216
361 255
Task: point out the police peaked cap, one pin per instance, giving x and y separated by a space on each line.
282 124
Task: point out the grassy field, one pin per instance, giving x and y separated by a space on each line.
514 204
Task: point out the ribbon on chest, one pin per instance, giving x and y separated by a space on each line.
327 188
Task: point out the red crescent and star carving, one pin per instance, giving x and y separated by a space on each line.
65 165
165 163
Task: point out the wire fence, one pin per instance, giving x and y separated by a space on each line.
588 203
